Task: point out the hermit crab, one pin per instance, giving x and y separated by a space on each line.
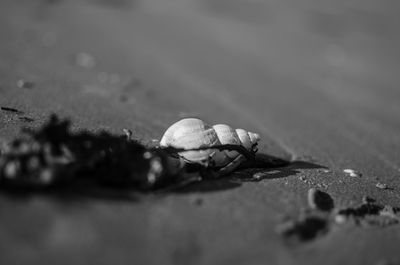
220 148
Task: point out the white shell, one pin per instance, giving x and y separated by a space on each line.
192 133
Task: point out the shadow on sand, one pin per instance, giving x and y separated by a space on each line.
268 167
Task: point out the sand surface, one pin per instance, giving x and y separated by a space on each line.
318 80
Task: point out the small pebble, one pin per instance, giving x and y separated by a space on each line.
319 200
381 186
147 155
352 173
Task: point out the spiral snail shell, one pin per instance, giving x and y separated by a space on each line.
192 134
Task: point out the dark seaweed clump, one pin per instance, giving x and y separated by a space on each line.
53 156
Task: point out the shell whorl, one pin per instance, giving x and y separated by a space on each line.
182 128
191 133
248 139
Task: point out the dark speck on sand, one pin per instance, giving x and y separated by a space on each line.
9 109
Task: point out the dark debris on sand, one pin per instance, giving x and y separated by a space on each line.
53 156
313 224
370 214
9 109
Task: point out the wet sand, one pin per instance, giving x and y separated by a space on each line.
318 81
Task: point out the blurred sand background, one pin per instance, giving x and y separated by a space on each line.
319 80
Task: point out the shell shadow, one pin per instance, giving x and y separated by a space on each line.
270 167
291 169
